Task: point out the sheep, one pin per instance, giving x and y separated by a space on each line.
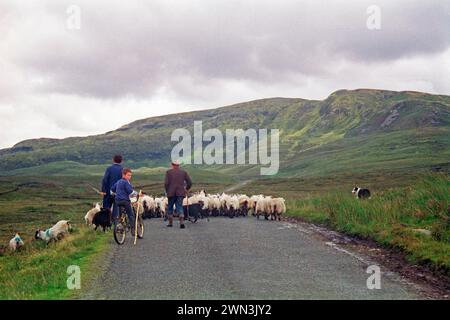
15 243
91 213
263 207
191 200
232 206
252 203
214 205
205 208
244 202
160 206
54 233
277 208
149 205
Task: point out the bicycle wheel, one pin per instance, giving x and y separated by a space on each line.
140 230
120 231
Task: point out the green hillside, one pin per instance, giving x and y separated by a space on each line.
350 131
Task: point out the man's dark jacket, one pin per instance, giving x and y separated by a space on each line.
112 175
175 182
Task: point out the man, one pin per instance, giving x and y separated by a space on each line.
176 183
123 189
112 175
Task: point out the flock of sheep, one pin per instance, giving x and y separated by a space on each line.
230 205
199 204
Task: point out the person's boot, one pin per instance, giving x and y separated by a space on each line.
170 222
182 226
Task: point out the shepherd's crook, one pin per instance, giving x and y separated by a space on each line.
187 205
137 215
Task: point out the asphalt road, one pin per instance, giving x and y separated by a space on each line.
240 258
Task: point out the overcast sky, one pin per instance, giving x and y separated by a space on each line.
135 59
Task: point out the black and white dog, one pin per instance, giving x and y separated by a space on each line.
361 193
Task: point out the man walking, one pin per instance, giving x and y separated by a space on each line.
177 183
112 174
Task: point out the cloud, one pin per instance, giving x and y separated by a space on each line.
141 58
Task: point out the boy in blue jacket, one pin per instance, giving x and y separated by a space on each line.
123 189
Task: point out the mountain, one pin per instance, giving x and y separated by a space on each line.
350 131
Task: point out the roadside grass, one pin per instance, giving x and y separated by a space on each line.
40 272
415 219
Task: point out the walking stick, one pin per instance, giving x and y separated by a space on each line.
187 205
96 190
137 215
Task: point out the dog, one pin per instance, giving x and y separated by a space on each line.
103 219
193 212
361 193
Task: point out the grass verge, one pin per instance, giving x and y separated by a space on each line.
414 219
40 272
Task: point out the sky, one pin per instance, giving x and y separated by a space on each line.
77 68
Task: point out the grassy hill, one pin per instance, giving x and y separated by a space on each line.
353 131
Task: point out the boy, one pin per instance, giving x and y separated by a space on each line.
123 189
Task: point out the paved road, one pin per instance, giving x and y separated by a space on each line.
240 258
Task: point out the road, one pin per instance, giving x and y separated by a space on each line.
240 258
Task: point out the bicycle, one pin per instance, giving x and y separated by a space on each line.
122 226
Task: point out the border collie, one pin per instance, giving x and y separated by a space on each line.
361 193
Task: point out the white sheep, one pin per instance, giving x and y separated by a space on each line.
277 208
15 243
214 204
244 202
55 233
149 206
161 204
232 205
263 207
148 202
252 202
91 213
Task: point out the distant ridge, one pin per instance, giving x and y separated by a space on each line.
356 130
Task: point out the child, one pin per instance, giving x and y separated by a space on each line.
123 189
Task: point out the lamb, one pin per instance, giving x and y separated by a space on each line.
16 243
54 233
91 213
